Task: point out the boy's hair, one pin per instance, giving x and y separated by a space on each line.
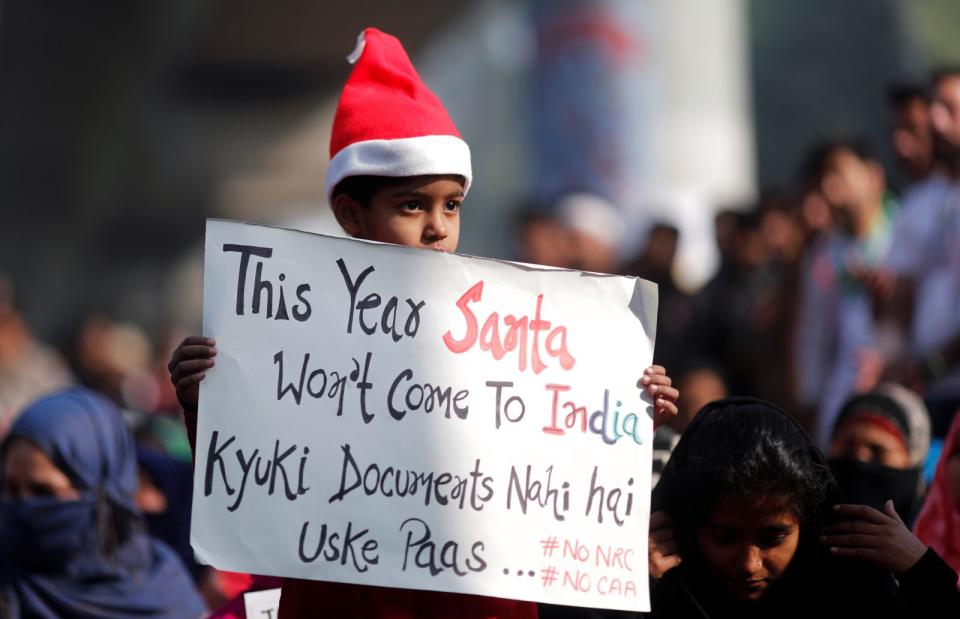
362 188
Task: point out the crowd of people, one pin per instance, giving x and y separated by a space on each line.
834 487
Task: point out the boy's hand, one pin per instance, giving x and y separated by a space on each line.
188 366
878 538
656 382
661 546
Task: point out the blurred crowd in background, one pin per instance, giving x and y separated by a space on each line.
844 281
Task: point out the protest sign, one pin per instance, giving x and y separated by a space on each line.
262 604
391 416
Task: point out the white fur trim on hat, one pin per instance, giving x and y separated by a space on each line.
417 156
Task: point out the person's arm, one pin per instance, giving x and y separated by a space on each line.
883 540
879 538
188 367
930 587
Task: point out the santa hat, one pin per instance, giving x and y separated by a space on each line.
388 123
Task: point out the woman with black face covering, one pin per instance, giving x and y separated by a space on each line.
72 542
761 532
879 443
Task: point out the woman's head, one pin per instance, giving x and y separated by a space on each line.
888 426
72 543
83 435
745 488
879 443
69 476
747 544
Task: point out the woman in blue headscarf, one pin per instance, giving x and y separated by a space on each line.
72 542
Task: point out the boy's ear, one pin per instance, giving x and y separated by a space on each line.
349 214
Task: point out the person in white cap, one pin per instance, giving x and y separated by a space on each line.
597 230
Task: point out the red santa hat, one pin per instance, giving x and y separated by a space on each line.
388 123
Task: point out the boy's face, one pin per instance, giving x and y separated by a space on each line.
417 211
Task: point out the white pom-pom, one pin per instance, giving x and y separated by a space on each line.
358 50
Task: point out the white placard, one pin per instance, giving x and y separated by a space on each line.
404 418
262 604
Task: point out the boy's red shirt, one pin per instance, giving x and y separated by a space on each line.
309 598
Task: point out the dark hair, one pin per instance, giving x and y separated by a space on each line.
900 94
943 73
532 216
661 227
818 156
362 188
744 448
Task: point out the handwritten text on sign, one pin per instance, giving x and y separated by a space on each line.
404 418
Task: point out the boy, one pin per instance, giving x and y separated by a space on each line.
398 173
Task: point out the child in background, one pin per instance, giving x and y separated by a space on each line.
399 172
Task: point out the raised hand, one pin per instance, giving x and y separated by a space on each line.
661 547
880 538
188 366
656 382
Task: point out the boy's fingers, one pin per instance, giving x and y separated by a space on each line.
665 408
667 393
188 343
658 379
192 340
654 370
187 368
197 351
185 383
193 351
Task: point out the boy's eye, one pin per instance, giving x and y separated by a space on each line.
452 206
412 205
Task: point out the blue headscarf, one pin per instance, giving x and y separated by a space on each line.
88 557
174 479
